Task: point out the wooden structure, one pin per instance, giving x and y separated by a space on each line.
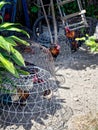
65 17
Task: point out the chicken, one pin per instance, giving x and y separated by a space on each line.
55 50
36 79
75 45
69 33
23 95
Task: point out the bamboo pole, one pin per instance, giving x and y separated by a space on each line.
51 38
54 23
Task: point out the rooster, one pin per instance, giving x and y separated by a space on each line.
55 50
75 45
23 95
70 33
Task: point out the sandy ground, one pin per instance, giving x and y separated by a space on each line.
79 85
79 81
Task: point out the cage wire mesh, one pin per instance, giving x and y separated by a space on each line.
40 56
32 101
65 51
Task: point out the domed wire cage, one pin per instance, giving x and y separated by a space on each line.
32 101
40 56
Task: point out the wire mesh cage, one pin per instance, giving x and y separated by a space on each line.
40 56
32 101
28 91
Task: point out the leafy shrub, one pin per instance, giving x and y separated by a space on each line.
90 41
10 57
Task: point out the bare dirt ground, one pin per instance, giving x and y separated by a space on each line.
79 88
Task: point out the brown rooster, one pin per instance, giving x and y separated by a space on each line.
55 50
69 33
23 95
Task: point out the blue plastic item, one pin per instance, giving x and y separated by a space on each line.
9 11
25 8
14 10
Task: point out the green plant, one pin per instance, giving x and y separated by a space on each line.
90 41
34 9
10 58
70 7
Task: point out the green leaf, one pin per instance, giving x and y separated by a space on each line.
17 57
92 38
80 39
34 9
5 44
2 3
1 18
93 49
8 65
15 29
90 43
87 35
15 38
11 41
6 25
5 54
22 72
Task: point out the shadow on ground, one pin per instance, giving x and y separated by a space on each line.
53 116
79 60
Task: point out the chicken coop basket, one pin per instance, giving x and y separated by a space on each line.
32 102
